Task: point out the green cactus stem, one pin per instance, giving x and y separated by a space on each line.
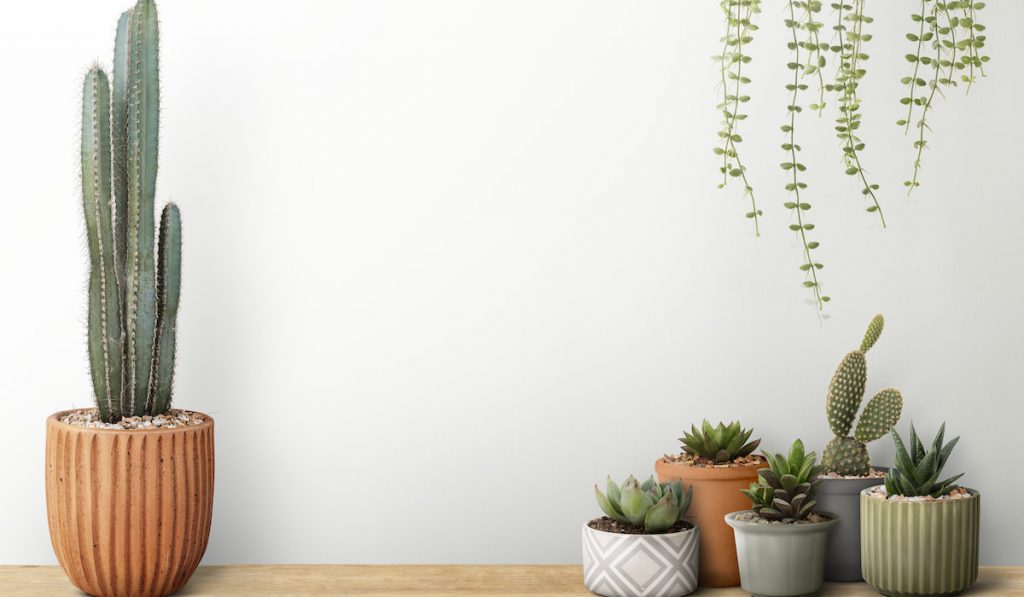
132 311
847 455
143 101
168 291
104 306
846 391
873 332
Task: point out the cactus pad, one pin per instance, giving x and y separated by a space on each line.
880 415
845 392
873 332
846 456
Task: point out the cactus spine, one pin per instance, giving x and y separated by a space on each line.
132 307
849 455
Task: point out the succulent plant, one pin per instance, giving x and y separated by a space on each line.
656 507
133 302
845 454
720 443
917 473
786 490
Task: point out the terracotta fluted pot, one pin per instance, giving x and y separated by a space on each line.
716 492
129 510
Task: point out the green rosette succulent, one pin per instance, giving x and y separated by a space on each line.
847 454
786 490
654 507
721 443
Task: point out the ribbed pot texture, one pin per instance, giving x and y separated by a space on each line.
129 511
716 492
920 548
842 498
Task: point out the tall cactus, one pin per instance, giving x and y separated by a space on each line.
132 305
848 455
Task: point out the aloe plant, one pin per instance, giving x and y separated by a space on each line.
917 473
655 507
133 301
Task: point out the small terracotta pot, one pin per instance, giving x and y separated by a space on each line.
129 510
716 492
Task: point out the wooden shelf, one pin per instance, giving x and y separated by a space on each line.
301 580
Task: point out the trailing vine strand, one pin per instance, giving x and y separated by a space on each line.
815 63
738 29
793 166
948 53
850 53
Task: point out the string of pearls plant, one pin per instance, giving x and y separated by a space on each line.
949 46
739 26
938 48
850 54
792 165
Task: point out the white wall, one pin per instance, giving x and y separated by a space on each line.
448 263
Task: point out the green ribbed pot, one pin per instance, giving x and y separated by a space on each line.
919 548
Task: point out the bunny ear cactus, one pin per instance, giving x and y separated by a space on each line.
655 507
133 299
786 490
848 455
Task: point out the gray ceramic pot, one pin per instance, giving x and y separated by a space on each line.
780 559
842 497
618 565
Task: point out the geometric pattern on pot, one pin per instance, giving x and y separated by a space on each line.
619 565
920 548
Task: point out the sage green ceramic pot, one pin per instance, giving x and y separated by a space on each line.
919 548
781 560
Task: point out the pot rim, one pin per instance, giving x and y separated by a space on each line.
781 529
974 493
693 529
712 472
55 421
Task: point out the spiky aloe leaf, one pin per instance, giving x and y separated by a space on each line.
796 455
916 447
873 332
880 415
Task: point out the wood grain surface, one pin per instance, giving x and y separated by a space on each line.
303 580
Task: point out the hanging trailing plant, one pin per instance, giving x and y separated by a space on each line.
940 50
849 50
949 50
738 29
792 166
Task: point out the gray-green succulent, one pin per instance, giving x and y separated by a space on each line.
133 300
786 490
721 443
655 507
917 473
845 454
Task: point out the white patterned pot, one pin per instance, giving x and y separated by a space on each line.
619 565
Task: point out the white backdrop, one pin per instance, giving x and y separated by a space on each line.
449 263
